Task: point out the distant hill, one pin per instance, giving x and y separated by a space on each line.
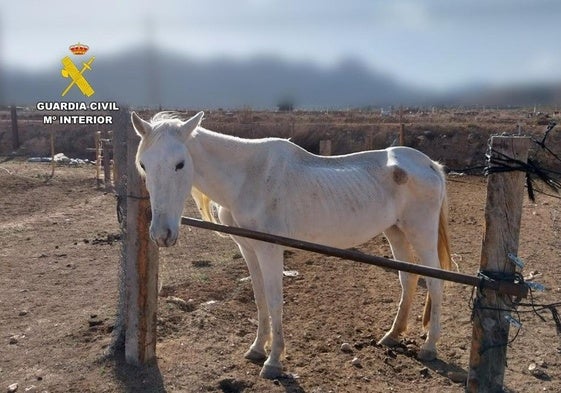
145 77
148 77
515 96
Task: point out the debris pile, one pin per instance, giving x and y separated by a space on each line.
61 158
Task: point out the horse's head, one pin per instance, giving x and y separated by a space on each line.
162 157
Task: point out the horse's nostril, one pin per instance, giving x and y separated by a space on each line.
170 238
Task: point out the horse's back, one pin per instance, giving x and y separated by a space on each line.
338 200
352 179
386 168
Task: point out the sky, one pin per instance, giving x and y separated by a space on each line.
438 44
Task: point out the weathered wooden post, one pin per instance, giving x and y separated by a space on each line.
135 327
368 140
122 128
122 125
105 149
503 212
141 266
15 130
402 134
325 147
97 158
53 153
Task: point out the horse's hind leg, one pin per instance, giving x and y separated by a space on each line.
425 245
435 289
401 251
271 264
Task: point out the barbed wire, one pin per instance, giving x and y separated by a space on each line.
500 162
535 171
475 304
542 144
511 306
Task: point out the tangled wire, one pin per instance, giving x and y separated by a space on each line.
499 162
476 305
535 171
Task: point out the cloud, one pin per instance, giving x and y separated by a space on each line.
431 42
544 65
409 15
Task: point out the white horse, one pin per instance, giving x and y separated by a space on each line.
274 186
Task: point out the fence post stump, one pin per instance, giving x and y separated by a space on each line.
141 266
503 212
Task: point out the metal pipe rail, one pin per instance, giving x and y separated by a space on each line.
505 287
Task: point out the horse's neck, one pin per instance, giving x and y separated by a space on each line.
219 164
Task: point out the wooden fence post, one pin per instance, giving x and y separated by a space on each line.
97 138
402 134
325 147
503 212
141 266
53 164
122 128
15 131
106 147
368 140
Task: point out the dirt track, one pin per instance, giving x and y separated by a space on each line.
58 294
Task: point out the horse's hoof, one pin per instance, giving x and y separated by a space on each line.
388 341
271 372
426 355
255 356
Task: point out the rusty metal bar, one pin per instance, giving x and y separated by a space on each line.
510 288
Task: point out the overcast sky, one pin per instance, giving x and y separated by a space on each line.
431 43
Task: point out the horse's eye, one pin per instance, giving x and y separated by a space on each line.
180 165
142 166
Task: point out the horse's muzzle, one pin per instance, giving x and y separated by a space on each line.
164 238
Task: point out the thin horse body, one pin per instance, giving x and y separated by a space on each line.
274 186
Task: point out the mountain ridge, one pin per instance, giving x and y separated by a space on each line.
146 77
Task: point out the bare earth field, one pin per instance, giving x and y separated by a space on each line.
59 260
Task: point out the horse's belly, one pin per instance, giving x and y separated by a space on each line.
341 230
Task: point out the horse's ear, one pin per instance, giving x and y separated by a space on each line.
189 126
142 127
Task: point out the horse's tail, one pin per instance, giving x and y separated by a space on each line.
203 204
444 254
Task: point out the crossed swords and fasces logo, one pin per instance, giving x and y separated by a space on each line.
69 70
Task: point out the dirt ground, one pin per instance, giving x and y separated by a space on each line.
59 256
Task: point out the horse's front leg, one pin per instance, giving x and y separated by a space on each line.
257 351
271 263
